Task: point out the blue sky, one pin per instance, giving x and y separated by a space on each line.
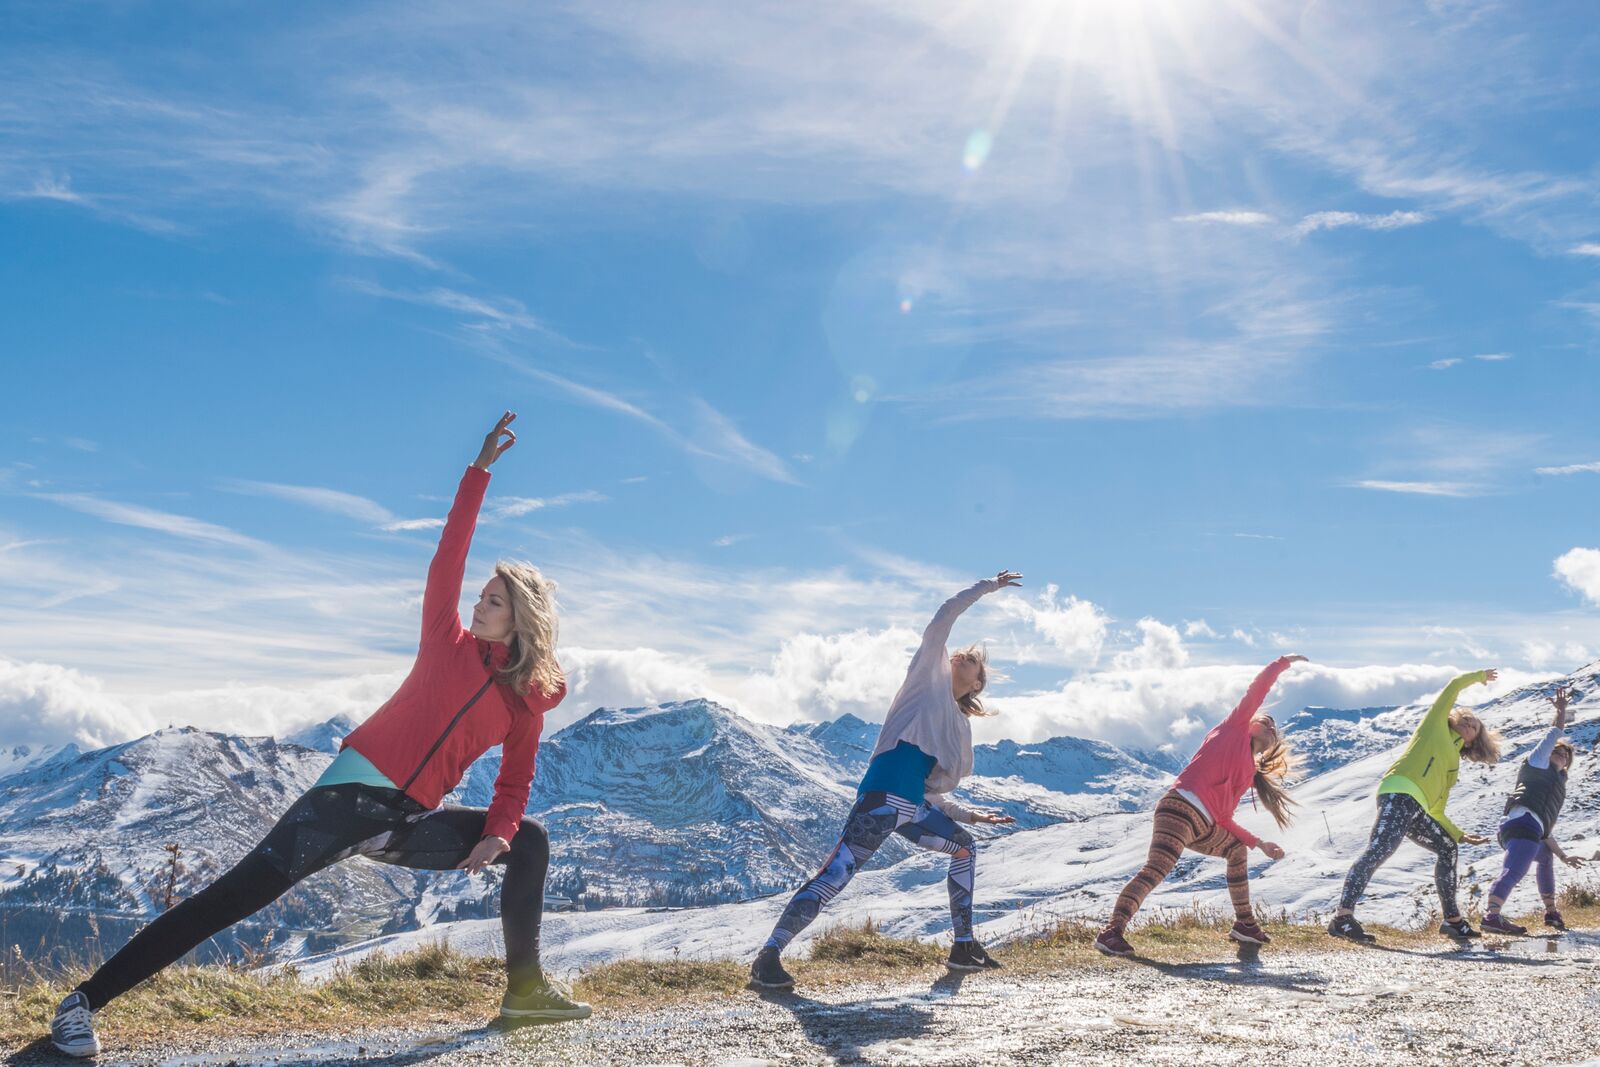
1235 326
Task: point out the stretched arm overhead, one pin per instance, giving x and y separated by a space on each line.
441 597
1541 755
1446 700
937 634
1256 695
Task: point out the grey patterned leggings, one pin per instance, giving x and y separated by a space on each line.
871 821
1400 816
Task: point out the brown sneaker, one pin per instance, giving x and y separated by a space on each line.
1112 943
1248 934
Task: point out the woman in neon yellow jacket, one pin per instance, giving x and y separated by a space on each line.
1411 800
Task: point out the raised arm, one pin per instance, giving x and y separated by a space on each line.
1256 695
1541 754
1440 712
441 597
937 635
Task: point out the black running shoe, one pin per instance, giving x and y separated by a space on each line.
1459 930
544 1003
1553 919
1345 926
768 973
969 956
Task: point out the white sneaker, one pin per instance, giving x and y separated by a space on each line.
72 1030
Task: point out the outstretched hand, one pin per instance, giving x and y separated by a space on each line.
1560 703
994 818
1490 675
1573 861
1474 839
498 440
1297 658
1272 849
1006 578
484 853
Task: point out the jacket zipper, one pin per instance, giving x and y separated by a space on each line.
464 708
1425 770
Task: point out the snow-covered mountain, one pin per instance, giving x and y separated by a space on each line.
1028 879
680 803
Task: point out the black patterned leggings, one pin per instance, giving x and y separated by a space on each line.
871 821
324 826
1400 816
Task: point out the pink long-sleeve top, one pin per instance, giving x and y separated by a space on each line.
1224 767
448 711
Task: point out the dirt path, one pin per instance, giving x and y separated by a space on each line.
1530 1002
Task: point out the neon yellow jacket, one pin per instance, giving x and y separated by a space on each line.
1427 768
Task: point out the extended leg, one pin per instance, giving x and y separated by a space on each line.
1520 854
1176 825
1395 812
869 825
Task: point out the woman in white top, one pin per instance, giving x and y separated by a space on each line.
923 752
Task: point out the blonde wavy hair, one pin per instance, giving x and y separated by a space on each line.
970 703
533 629
1273 766
1485 748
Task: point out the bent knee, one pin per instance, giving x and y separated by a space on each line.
531 836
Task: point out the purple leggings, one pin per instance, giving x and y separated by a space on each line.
1521 852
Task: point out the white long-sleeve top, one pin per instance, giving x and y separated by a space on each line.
925 713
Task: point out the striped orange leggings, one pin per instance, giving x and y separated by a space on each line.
1179 826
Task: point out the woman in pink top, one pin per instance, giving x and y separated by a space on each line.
1243 751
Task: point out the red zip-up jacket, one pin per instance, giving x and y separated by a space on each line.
1224 767
449 711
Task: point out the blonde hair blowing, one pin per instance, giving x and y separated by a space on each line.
970 703
1485 748
1273 765
533 629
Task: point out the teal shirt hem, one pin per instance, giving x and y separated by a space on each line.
903 771
350 767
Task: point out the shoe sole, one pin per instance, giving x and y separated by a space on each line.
78 1053
756 983
1243 940
964 967
1355 939
546 1015
1113 952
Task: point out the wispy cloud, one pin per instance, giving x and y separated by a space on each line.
1494 357
1587 248
1444 364
332 501
151 519
1336 220
1420 488
714 436
484 312
1229 218
1570 468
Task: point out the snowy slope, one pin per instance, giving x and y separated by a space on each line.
1028 879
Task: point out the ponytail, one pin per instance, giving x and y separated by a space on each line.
1272 767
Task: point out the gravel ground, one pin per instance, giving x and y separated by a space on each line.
1524 1002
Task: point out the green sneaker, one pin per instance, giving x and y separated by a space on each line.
545 1003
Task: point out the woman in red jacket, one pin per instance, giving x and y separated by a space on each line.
469 690
1244 750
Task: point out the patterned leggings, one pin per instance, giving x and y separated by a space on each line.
1179 826
1400 817
871 821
